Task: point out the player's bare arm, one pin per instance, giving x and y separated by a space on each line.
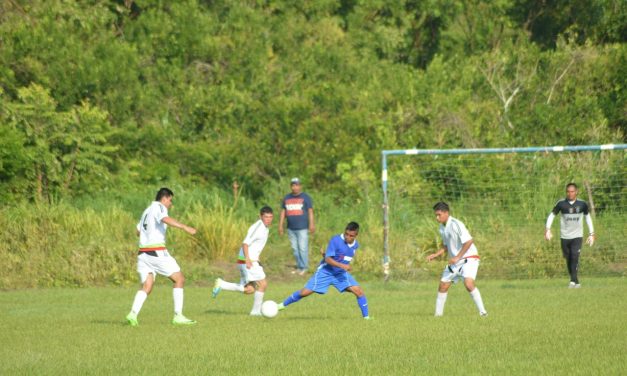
332 262
439 253
281 221
249 263
462 252
174 223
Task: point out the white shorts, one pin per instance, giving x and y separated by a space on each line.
453 273
254 274
163 264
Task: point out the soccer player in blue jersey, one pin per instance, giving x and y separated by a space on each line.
334 271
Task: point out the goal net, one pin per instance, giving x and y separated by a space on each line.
504 197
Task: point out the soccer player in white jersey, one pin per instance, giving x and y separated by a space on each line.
573 212
252 276
463 260
153 256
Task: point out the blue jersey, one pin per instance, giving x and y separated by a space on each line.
339 251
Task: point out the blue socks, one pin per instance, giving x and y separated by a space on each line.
292 298
363 305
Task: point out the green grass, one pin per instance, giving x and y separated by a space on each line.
534 327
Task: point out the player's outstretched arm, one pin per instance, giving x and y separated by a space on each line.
174 223
439 253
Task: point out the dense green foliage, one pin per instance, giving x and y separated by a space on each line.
103 95
535 327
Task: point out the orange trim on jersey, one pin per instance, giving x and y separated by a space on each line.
153 249
474 256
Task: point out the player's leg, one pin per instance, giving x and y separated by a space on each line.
440 300
445 283
565 243
318 283
221 284
469 272
170 268
362 302
575 250
147 278
259 291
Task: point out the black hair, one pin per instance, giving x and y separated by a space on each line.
265 209
572 185
352 226
164 192
442 206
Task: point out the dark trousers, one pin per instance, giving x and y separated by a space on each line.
570 250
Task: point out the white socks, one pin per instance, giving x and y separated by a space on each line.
257 303
476 296
439 303
177 294
139 300
229 286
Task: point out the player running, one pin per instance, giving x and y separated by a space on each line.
153 257
252 276
334 271
571 230
463 258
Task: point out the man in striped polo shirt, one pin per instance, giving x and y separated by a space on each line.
252 276
153 257
463 260
573 213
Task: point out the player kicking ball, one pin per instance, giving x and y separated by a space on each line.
334 271
463 260
252 276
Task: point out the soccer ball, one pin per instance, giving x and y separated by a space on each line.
269 309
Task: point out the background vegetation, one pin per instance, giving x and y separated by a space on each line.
103 102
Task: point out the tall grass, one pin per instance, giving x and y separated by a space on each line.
93 242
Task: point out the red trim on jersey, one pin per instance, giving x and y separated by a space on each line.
153 249
474 256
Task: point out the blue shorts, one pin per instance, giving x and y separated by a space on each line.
322 279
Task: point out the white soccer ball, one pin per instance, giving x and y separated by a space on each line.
269 309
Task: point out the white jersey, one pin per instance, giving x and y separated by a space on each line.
151 227
256 239
454 235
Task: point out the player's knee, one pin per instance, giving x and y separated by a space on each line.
470 284
443 287
262 285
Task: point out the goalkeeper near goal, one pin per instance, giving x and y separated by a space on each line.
571 229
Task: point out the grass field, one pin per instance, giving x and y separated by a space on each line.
534 327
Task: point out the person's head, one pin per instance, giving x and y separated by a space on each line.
164 196
266 215
296 186
350 232
571 191
441 211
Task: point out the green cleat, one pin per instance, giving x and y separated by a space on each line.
182 320
280 306
216 288
131 318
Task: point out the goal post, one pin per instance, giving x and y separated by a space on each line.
509 191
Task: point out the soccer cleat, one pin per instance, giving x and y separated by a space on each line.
255 314
572 285
216 288
131 318
483 314
369 318
280 306
302 272
577 286
438 315
182 320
